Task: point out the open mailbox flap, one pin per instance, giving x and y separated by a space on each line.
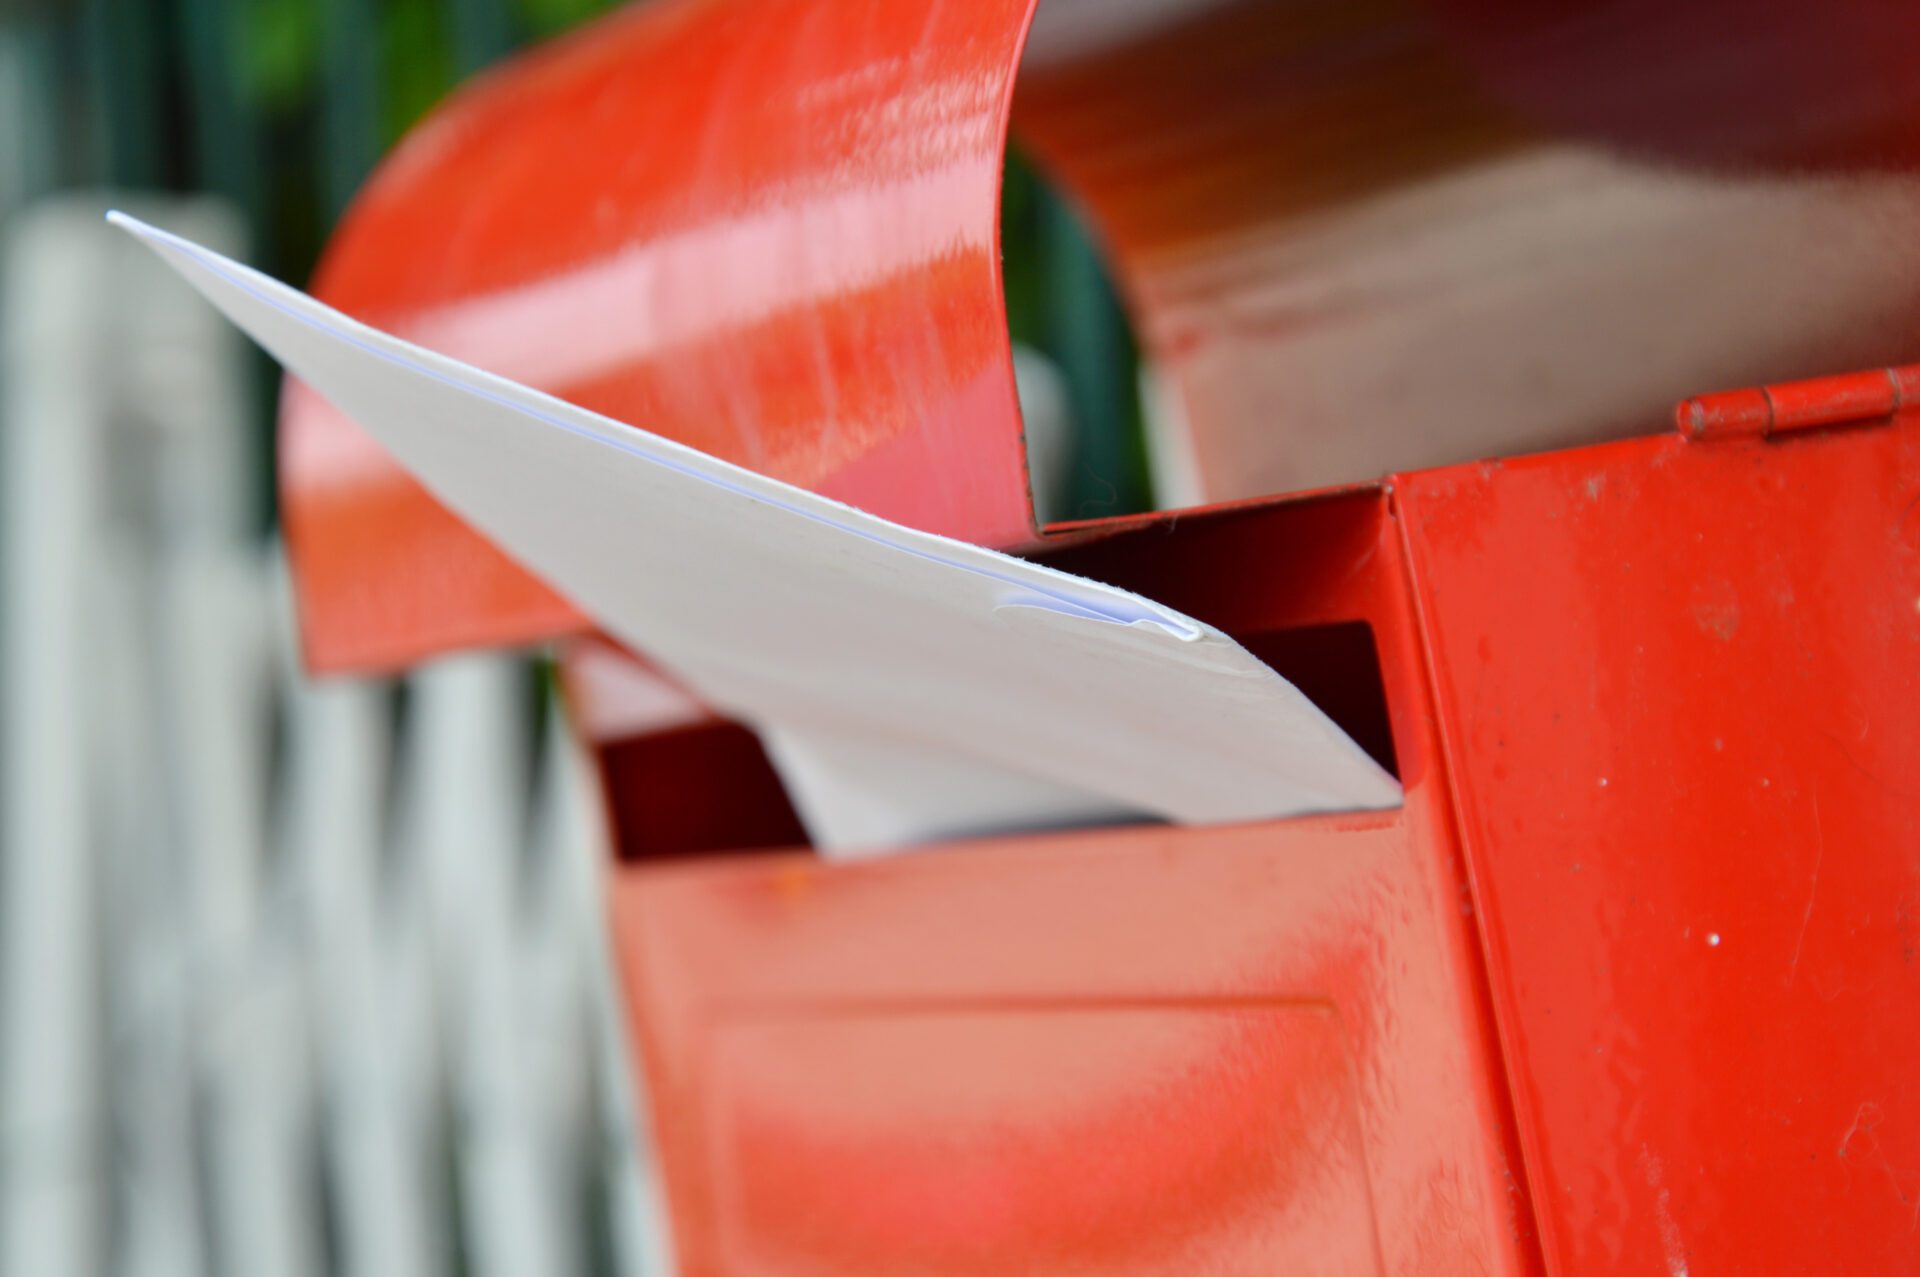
910 687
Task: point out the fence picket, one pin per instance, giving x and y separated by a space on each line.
286 988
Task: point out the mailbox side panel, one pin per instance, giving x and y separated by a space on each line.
1677 685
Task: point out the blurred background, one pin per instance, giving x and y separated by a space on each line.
293 980
302 979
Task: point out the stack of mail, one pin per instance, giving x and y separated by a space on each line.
909 687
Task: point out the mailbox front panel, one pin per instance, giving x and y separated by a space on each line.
1111 1136
1248 1049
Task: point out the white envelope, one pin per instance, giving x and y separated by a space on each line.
909 687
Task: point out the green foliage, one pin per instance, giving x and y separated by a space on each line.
278 53
543 18
284 106
1062 301
417 50
1023 201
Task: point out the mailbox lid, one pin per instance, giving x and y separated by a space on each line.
767 231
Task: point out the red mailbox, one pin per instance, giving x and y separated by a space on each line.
1630 982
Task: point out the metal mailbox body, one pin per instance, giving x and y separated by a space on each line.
1144 1050
1632 980
1657 881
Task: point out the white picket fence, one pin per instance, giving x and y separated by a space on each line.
296 978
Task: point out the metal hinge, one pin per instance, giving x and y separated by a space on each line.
1851 399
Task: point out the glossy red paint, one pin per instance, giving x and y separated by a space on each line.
1143 1050
769 231
1676 683
1231 1050
771 234
1629 983
1357 240
1667 686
